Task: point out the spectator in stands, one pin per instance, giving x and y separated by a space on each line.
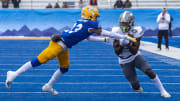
127 4
81 4
5 3
119 4
16 3
93 2
57 5
65 5
163 21
49 5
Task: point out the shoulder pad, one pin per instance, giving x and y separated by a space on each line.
115 29
137 31
94 24
84 20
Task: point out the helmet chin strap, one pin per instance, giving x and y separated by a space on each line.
125 29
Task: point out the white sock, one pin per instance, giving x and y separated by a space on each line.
158 83
27 66
55 77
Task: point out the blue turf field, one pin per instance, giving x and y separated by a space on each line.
94 74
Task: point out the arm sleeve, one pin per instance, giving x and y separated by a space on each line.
95 39
94 25
167 18
112 34
158 19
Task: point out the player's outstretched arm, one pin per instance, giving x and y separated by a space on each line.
97 31
100 39
111 34
108 33
96 39
117 35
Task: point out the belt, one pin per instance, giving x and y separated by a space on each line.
125 57
62 40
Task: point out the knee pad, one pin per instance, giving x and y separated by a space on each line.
135 85
35 62
64 70
150 73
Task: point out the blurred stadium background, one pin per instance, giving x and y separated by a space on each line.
104 4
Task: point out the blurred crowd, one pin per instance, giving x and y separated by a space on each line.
121 4
117 4
5 3
65 4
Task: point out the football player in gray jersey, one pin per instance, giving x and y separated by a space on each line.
130 56
126 41
127 49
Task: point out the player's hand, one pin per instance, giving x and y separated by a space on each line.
107 39
117 47
124 42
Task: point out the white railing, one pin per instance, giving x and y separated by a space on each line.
102 4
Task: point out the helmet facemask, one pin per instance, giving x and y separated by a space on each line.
125 26
126 21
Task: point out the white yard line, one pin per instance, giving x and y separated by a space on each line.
42 76
87 83
81 69
152 47
87 92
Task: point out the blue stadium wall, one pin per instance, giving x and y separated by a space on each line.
50 21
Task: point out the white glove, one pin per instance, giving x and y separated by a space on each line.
124 42
107 39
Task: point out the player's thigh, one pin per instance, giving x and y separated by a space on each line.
129 71
50 52
63 59
141 63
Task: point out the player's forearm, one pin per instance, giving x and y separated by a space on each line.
112 35
95 39
97 31
134 48
118 50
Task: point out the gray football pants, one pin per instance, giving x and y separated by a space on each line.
130 71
